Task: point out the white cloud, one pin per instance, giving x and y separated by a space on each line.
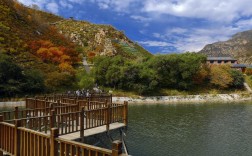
244 24
194 39
116 5
140 18
65 4
154 43
53 7
216 10
40 3
177 31
76 1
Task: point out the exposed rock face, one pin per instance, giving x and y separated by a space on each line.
100 39
108 50
239 47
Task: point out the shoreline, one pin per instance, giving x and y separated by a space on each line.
223 98
213 98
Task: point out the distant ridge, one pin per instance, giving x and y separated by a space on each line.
239 47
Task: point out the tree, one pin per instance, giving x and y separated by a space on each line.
202 75
11 77
84 79
248 71
220 76
238 78
177 70
58 81
34 81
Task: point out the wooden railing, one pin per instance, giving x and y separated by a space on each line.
19 141
69 119
38 112
7 137
30 131
32 143
91 97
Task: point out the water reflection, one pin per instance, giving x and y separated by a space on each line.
203 129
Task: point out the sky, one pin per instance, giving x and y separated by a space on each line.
161 26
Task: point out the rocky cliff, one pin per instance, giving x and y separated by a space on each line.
239 47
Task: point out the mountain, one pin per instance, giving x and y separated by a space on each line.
41 42
96 40
239 47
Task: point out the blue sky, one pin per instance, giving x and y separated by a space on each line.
161 26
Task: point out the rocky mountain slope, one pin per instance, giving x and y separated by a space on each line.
239 47
96 40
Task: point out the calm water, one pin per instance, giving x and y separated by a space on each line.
190 130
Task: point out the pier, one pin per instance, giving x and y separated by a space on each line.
58 124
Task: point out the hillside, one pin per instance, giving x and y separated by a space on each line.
34 41
96 40
239 47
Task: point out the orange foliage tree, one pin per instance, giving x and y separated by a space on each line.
50 52
248 71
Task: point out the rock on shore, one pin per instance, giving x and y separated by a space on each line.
187 98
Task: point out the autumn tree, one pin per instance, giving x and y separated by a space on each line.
220 76
248 71
60 55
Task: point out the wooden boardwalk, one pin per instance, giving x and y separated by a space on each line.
93 131
50 124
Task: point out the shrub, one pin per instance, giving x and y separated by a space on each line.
238 79
220 76
248 71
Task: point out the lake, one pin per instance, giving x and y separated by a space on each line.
190 129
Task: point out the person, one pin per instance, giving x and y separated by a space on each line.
87 93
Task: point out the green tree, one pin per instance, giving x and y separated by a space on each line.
11 77
84 79
177 70
34 81
238 78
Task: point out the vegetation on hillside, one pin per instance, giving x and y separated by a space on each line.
185 71
35 42
36 50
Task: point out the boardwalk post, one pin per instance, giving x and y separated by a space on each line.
17 138
82 124
16 113
116 148
52 118
36 104
53 143
78 104
26 101
108 116
125 113
1 120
